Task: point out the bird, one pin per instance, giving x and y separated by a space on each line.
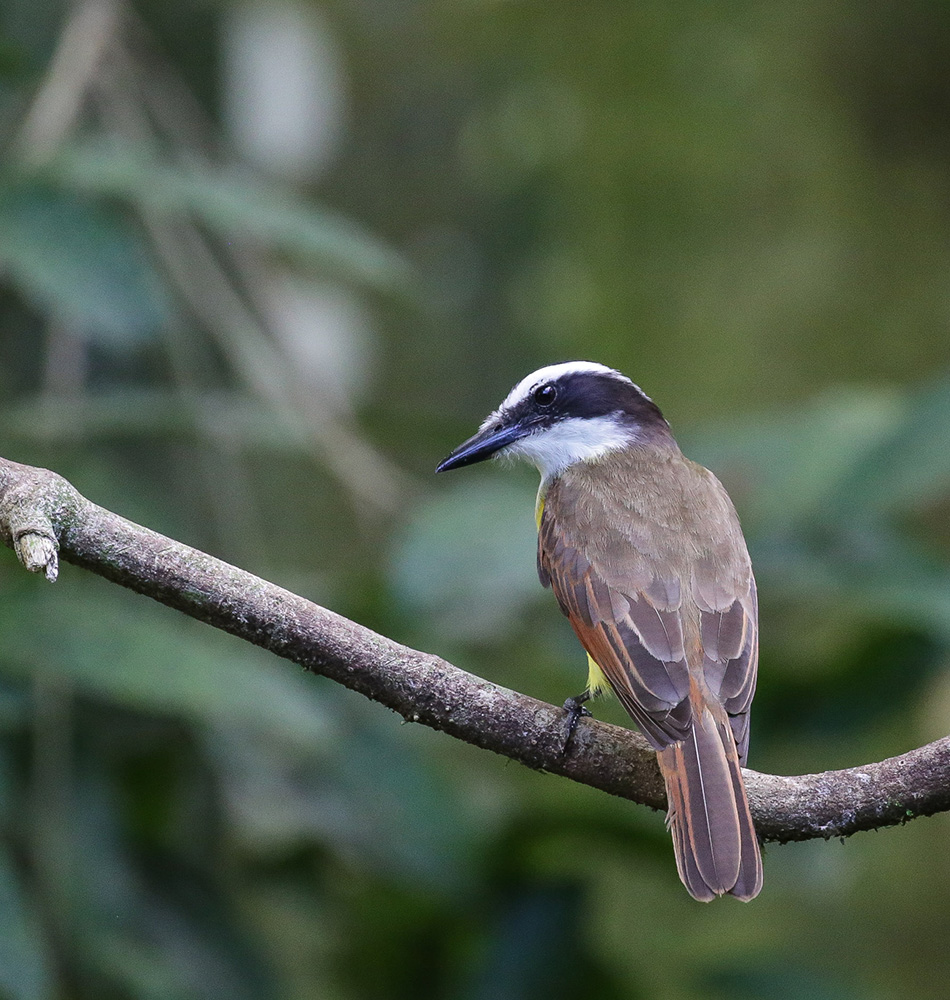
645 555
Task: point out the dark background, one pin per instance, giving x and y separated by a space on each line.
262 267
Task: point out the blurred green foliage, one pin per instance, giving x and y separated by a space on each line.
741 205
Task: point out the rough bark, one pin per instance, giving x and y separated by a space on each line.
43 518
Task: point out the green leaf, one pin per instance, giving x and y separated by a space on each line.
466 560
297 760
131 413
153 659
782 469
351 794
241 207
533 951
147 937
911 467
25 964
80 262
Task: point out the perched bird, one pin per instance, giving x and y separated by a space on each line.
644 553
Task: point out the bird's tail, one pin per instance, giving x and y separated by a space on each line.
713 837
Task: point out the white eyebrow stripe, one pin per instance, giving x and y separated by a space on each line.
550 373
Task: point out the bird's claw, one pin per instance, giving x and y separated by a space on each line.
575 710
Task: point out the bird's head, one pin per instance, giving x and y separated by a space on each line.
573 412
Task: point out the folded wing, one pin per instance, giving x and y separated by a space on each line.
636 624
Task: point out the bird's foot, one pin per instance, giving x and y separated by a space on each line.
575 710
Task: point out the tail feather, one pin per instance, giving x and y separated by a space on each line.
749 883
685 857
713 836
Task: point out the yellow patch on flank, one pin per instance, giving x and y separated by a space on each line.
597 683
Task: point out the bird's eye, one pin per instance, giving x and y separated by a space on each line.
545 395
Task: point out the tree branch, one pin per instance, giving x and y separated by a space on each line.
42 516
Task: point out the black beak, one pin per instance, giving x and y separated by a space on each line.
483 445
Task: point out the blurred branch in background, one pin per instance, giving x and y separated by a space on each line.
422 688
87 34
164 300
193 256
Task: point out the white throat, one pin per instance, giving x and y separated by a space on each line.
576 439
